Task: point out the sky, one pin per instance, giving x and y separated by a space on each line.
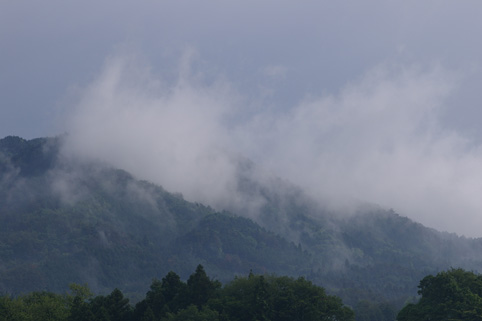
377 101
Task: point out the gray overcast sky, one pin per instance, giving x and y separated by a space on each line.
380 100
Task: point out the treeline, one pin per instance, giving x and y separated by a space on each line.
255 297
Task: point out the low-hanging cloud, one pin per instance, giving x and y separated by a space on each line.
378 139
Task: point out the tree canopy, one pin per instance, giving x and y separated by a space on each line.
255 297
455 294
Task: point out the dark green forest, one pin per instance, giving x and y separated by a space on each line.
255 297
65 219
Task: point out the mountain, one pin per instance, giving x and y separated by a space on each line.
65 219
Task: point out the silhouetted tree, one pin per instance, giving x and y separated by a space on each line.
200 288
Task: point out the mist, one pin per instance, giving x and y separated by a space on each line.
379 138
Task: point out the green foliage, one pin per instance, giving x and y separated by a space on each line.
450 295
200 288
113 307
280 298
12 310
255 297
36 306
166 296
81 291
192 313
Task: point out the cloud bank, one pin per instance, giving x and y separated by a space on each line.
377 139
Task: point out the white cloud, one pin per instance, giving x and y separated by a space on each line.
172 135
380 140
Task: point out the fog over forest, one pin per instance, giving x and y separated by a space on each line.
378 140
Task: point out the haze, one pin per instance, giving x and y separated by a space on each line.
376 101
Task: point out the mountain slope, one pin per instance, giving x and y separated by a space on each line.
64 219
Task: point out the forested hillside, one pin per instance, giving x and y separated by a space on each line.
65 220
